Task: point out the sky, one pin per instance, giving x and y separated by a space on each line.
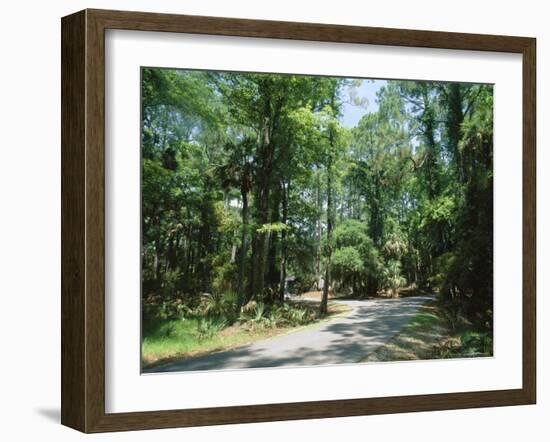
353 113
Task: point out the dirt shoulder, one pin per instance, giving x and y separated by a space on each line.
428 336
420 339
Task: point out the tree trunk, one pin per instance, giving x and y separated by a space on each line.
324 301
318 232
204 249
262 201
273 241
242 257
259 248
285 192
455 118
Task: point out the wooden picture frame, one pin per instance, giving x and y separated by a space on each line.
83 220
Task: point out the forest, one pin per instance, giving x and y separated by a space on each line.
260 187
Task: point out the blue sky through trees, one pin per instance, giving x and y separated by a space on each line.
352 113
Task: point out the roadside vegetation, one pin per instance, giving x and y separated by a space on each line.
174 330
431 335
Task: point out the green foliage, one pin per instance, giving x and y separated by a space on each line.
272 228
219 306
393 279
294 315
259 312
209 326
223 275
167 310
355 258
439 210
395 246
169 283
304 281
347 262
347 266
278 315
352 233
468 344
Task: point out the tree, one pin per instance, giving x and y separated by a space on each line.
335 142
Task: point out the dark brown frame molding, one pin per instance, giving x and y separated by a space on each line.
83 216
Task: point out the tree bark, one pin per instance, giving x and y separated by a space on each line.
324 300
285 192
262 198
318 232
455 118
242 257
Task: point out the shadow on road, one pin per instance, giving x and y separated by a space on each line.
347 340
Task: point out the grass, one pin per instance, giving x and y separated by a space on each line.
172 339
428 336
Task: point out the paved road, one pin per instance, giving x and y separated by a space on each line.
342 340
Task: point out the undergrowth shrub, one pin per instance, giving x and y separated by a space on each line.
207 327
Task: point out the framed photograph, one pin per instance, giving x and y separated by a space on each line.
267 220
